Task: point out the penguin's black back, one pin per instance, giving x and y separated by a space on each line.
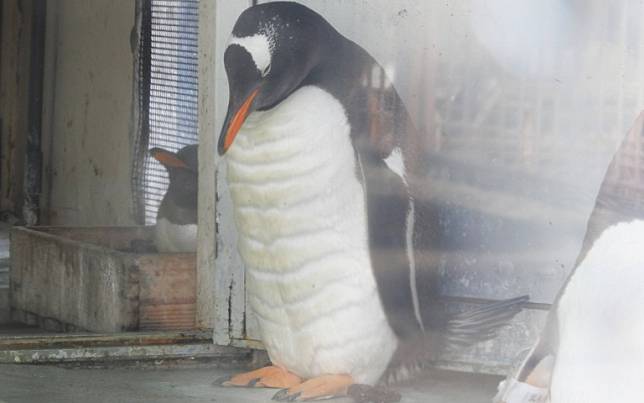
179 204
379 123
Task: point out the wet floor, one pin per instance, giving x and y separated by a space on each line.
23 383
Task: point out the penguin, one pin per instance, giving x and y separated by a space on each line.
176 227
317 146
591 348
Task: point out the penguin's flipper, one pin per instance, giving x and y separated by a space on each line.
480 324
320 388
389 206
531 379
266 377
448 333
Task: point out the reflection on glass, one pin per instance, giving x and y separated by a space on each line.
520 107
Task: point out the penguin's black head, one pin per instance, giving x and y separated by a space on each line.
273 48
183 172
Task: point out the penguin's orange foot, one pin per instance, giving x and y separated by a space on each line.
267 377
323 387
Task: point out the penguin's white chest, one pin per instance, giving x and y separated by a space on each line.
300 211
175 238
600 356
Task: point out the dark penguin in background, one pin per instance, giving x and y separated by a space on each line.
316 140
592 347
176 227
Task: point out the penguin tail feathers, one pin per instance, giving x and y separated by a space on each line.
482 323
457 331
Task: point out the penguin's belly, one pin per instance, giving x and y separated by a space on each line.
600 356
175 238
301 215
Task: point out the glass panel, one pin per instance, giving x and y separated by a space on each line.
520 108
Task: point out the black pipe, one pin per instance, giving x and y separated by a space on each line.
33 157
143 66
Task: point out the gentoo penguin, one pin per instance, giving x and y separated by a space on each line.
591 349
176 226
316 143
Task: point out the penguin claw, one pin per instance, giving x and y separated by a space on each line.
283 396
323 387
253 382
294 397
267 377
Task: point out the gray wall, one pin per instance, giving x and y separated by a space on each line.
15 35
88 112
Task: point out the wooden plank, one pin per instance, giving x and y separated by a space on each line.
229 277
113 237
139 347
167 291
72 276
171 316
247 343
206 248
95 355
80 340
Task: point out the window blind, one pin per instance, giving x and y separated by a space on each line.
168 91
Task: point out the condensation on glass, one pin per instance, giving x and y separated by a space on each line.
521 108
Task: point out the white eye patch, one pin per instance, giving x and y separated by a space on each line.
259 48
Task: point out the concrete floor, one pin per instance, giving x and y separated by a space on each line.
50 384
26 384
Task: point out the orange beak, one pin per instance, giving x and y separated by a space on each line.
233 125
167 158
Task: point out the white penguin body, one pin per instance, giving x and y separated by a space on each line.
300 211
600 356
175 238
